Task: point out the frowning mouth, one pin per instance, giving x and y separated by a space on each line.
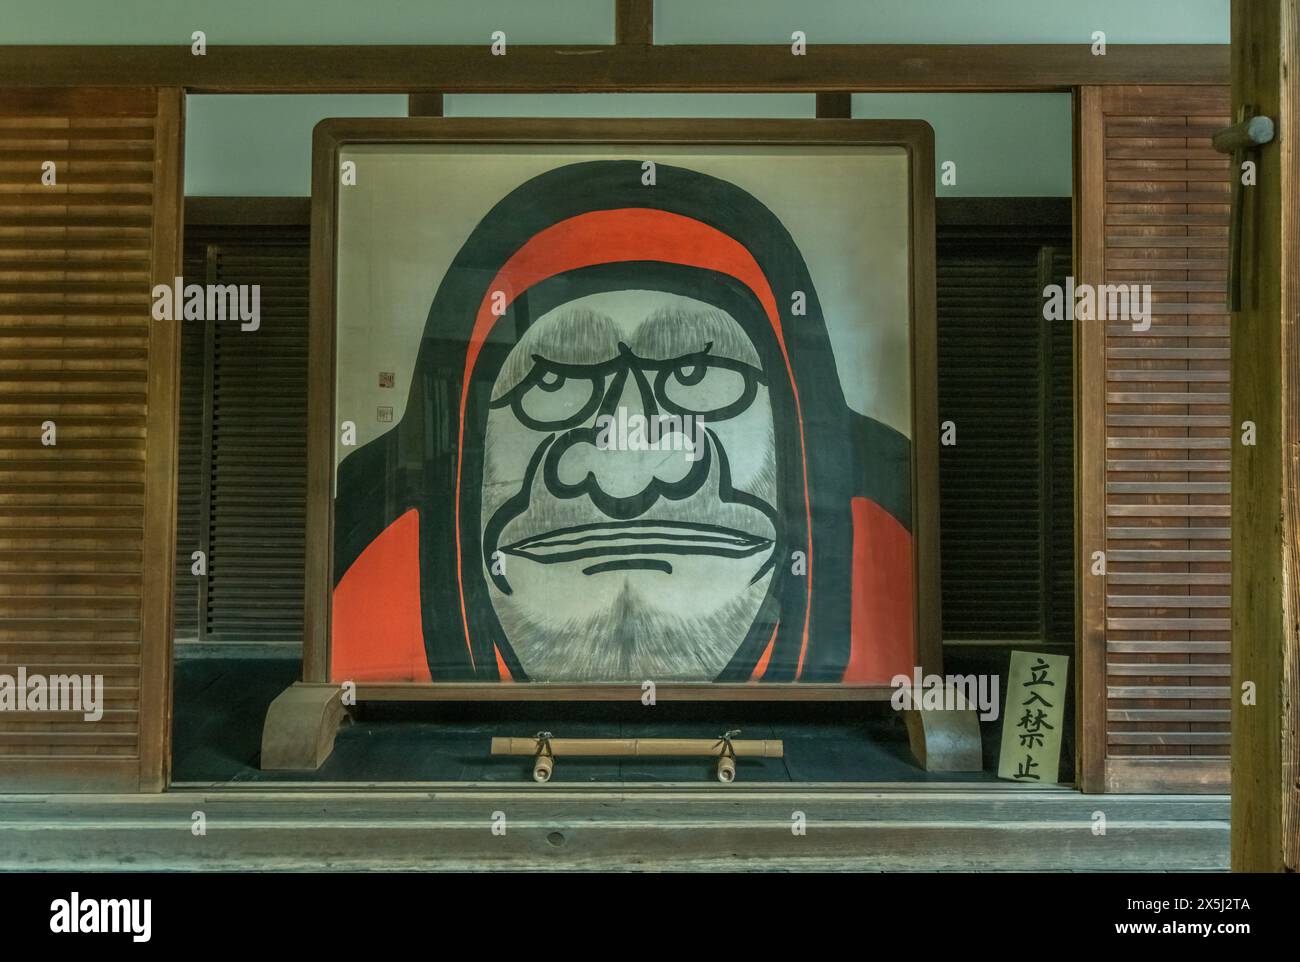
636 544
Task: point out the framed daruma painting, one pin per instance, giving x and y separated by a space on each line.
602 403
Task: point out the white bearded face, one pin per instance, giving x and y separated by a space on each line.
615 552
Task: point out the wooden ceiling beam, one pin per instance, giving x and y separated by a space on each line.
629 67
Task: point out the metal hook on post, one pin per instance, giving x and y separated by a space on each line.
1245 136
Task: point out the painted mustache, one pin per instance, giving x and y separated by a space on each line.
628 538
626 543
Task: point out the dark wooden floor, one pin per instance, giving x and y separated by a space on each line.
220 704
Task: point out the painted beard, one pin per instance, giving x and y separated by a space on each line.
630 638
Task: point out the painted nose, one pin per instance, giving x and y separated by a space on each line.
623 462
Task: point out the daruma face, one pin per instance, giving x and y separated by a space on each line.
629 485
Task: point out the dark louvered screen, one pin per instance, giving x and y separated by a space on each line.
250 515
259 438
1055 265
1005 382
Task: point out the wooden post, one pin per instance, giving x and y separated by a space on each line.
836 104
634 23
424 105
162 429
298 734
1266 474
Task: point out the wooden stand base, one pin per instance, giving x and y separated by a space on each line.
300 726
945 741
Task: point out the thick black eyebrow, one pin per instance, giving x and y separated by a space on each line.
579 336
624 357
672 332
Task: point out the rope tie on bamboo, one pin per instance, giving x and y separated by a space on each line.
728 750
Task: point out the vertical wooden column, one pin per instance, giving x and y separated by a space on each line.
1266 475
318 581
836 104
424 105
162 441
634 22
1090 447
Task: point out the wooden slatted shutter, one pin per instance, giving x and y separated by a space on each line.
86 539
1006 384
1155 442
248 470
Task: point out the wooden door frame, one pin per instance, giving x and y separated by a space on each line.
1080 397
632 64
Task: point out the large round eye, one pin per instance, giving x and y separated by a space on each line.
551 400
694 386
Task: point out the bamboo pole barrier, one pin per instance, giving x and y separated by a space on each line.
545 750
640 747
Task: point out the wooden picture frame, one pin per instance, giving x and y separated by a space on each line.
331 136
